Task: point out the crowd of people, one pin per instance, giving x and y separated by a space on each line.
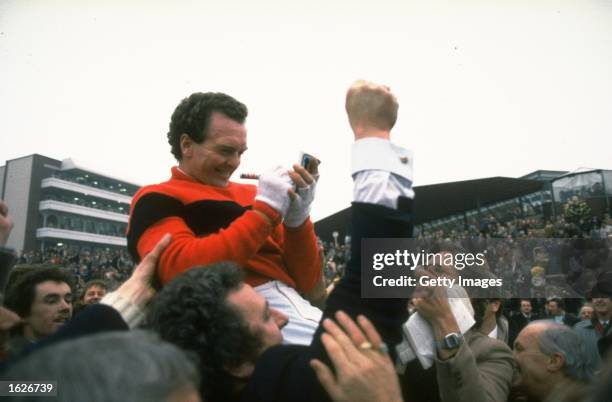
575 221
113 266
218 306
334 257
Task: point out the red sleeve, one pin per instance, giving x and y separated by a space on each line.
237 243
301 256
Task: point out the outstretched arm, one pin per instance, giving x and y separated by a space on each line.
363 370
377 212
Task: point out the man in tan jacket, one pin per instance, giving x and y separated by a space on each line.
469 368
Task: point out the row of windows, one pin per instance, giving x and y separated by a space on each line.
83 224
90 181
103 205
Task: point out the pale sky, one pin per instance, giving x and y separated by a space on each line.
486 88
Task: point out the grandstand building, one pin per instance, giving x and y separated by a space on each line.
459 205
55 203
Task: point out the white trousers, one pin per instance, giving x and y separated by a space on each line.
303 317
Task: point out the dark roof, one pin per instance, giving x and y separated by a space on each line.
547 175
437 201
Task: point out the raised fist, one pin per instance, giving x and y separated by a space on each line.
371 108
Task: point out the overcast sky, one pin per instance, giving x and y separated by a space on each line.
486 88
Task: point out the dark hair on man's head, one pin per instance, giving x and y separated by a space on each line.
192 312
21 292
480 308
192 117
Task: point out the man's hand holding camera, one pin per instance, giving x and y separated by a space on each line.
302 196
290 193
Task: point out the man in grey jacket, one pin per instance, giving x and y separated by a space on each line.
593 330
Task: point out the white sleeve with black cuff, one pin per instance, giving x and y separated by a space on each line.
382 172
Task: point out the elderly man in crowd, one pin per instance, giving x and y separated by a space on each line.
212 312
586 312
553 362
265 229
598 328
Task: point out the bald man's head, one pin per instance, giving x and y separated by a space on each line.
549 354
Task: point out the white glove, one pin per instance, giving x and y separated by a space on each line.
299 210
273 189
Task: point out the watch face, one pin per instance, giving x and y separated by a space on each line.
451 341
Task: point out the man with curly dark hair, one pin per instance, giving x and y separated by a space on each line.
265 229
202 311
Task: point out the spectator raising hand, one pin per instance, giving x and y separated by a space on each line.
132 297
364 371
6 223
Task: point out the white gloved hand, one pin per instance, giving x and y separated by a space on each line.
273 189
299 210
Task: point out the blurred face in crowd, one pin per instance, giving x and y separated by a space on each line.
214 160
262 319
491 311
586 313
94 294
534 366
526 307
51 308
603 307
553 308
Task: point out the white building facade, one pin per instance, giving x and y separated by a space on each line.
55 203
